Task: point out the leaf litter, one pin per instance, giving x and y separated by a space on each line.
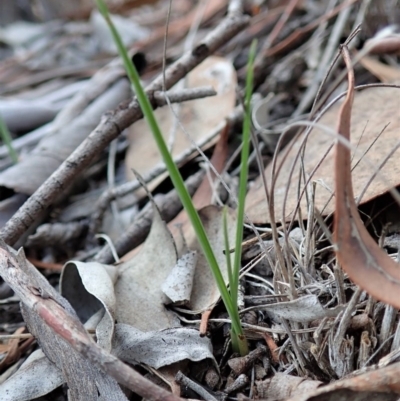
319 327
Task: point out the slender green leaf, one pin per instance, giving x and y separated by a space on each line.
7 140
243 173
227 247
174 173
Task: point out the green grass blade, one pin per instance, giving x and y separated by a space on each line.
227 246
243 173
173 171
7 140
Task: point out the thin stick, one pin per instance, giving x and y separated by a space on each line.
111 125
40 301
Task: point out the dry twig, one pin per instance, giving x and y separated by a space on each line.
112 124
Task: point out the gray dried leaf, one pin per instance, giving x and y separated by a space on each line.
36 377
205 292
89 287
140 300
178 285
282 386
303 309
160 348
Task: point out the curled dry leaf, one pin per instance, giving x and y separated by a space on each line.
178 285
205 292
359 255
89 287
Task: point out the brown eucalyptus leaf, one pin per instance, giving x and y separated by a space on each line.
375 110
381 384
359 255
199 117
384 72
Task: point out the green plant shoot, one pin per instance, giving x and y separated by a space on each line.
7 140
235 272
238 340
243 172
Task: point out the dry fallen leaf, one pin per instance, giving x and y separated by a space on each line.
89 287
198 117
205 292
140 300
384 72
281 386
160 348
36 377
374 110
366 263
381 384
303 309
178 285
